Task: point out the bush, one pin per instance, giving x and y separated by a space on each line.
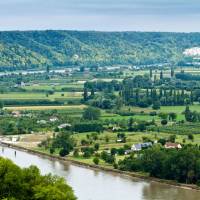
121 151
63 152
76 153
96 161
113 151
107 157
87 152
172 138
51 150
162 141
154 113
164 122
96 146
190 137
156 105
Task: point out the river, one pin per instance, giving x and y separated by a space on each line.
89 184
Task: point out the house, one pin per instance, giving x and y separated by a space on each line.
116 128
119 140
53 119
61 126
16 114
140 146
170 145
22 84
128 151
41 122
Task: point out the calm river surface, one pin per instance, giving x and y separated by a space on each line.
90 184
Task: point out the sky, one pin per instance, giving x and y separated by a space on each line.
101 15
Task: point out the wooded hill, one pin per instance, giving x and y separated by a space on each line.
33 49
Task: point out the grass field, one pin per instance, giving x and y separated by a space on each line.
55 87
39 95
139 117
77 107
133 138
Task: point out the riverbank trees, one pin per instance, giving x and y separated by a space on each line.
29 184
181 165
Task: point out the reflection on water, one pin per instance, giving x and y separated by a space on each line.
155 192
97 185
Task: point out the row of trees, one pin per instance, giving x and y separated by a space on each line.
138 91
141 98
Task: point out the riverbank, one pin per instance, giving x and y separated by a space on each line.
101 168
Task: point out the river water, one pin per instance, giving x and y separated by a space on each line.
91 184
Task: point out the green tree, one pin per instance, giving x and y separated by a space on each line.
91 113
156 105
172 116
96 161
63 152
190 136
1 104
29 184
96 146
172 138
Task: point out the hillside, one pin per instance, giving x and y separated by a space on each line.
33 49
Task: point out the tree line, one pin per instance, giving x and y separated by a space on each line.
181 165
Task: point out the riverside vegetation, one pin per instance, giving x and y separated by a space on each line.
28 183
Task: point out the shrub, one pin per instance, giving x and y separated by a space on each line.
96 161
63 152
164 122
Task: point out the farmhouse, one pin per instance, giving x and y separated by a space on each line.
16 114
119 140
41 122
140 146
61 126
53 119
170 145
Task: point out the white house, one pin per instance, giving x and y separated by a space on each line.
53 119
61 126
41 122
140 146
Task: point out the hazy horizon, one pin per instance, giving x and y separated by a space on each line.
101 15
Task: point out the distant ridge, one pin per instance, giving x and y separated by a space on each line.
33 49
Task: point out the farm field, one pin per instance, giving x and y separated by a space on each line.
168 109
133 138
39 95
70 107
55 87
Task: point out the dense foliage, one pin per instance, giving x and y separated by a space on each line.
61 48
29 184
138 91
181 165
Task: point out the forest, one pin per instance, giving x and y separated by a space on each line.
37 49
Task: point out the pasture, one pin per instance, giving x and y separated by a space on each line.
40 95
